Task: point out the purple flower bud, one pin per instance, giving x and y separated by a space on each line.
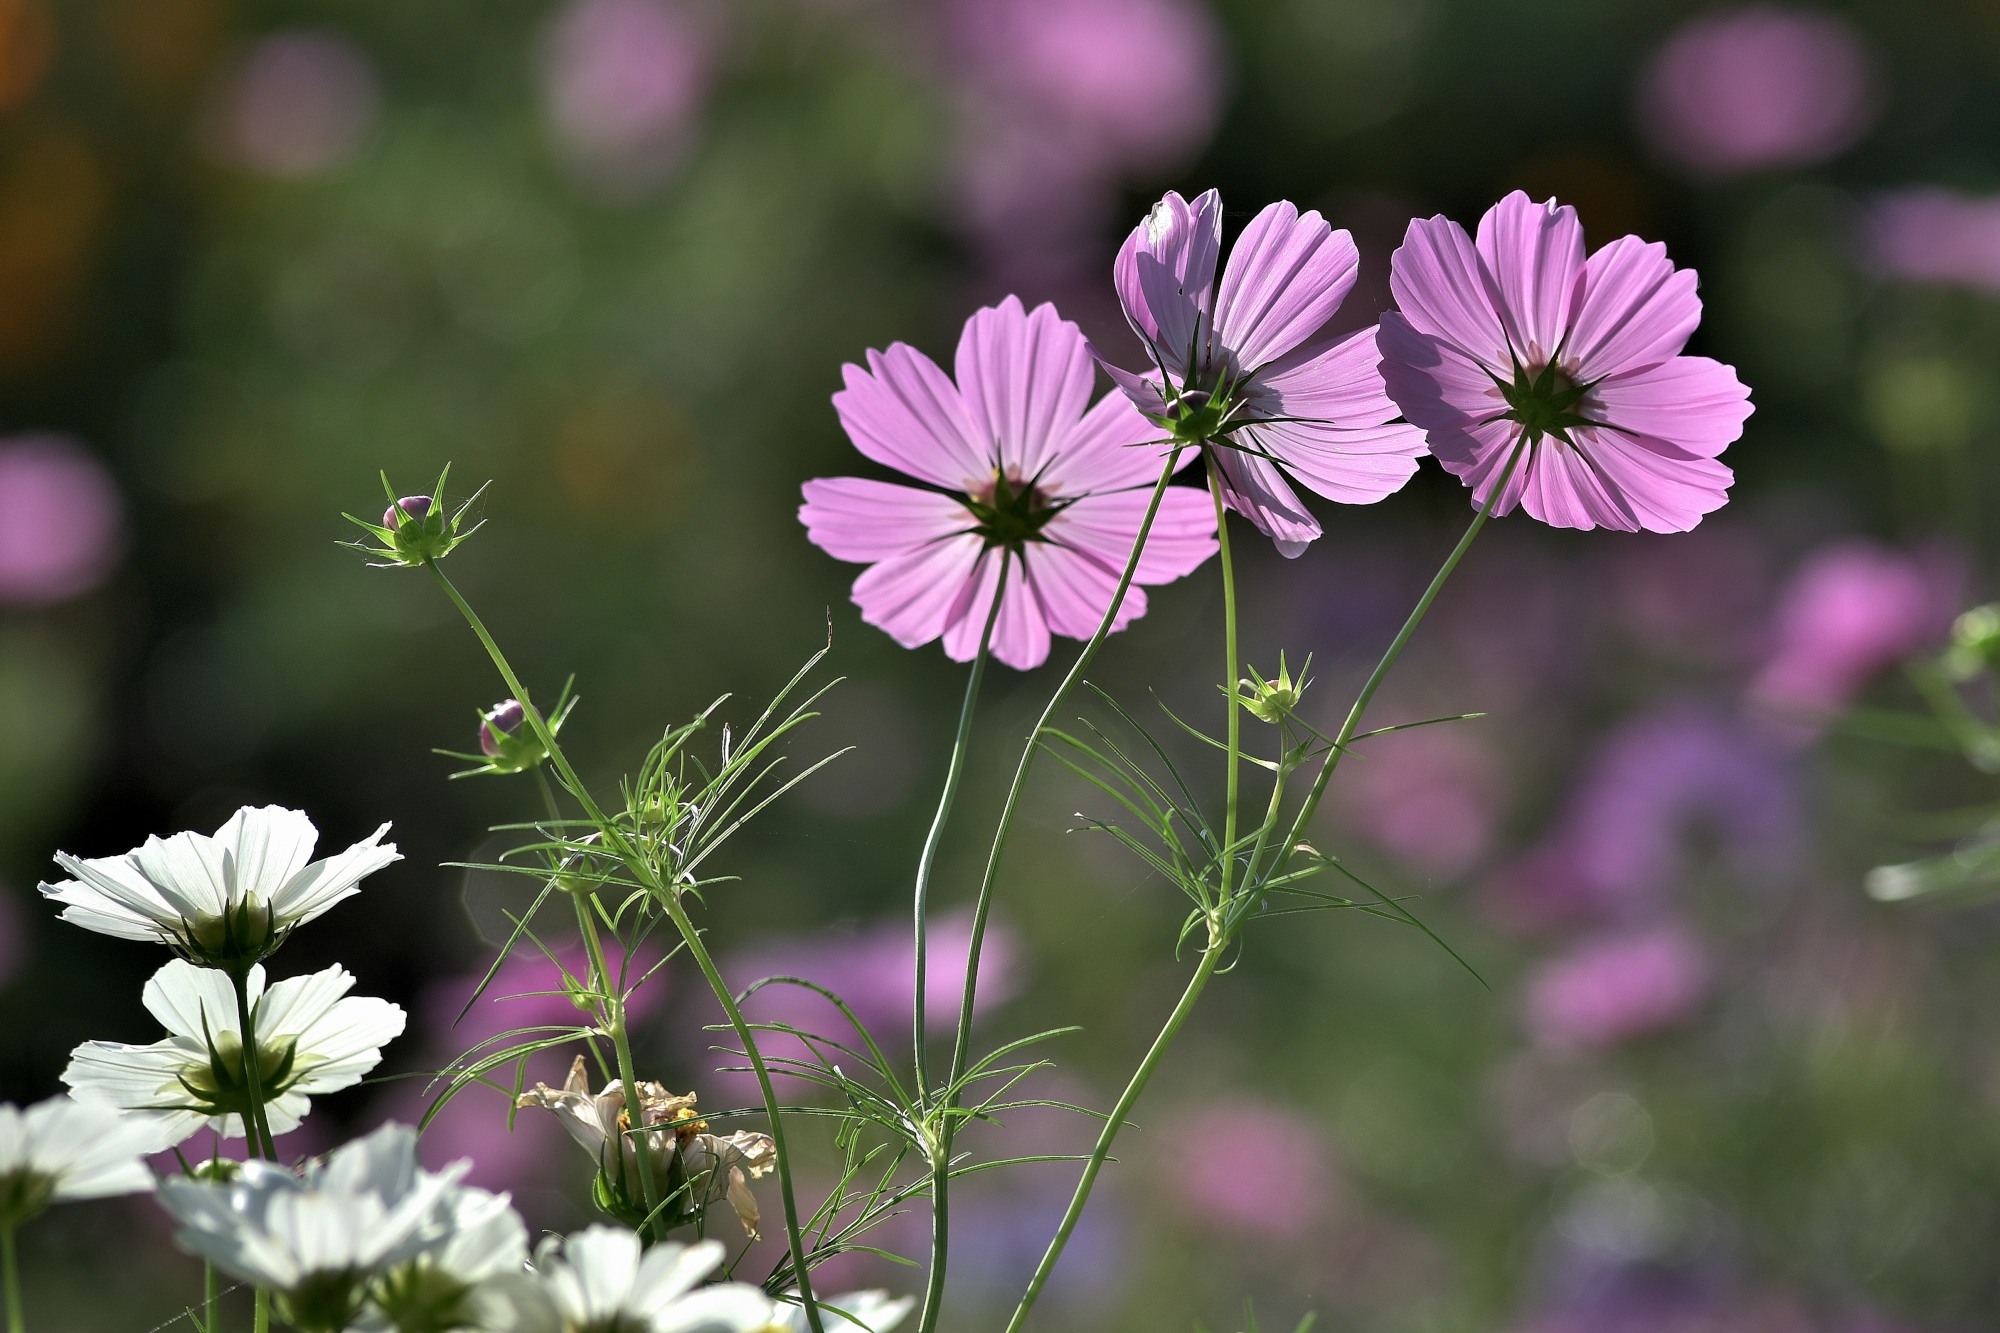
505 719
413 507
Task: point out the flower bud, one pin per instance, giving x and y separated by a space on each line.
1276 699
409 509
1975 642
500 724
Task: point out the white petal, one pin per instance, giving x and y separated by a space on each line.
345 1044
311 890
189 872
263 847
195 1003
669 1271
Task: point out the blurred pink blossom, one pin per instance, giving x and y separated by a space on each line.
1617 847
60 520
1765 86
1936 235
624 81
299 105
1851 610
1611 988
1256 1169
1061 100
1428 796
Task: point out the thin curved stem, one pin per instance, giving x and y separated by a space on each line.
1230 666
260 1313
982 905
1211 958
954 774
616 843
1389 656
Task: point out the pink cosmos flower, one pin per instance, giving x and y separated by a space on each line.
1237 364
624 81
1518 341
1614 988
300 105
1852 610
1027 472
1934 235
60 520
1763 87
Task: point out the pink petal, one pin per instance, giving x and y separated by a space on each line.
1353 466
1663 487
1561 488
1637 310
1690 401
851 518
1182 337
1433 383
1476 453
1186 239
1534 253
1142 391
1337 385
1254 488
1026 381
1020 635
1287 275
1442 289
913 597
1074 588
1102 528
1111 449
903 413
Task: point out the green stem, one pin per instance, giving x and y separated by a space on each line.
260 1318
954 774
961 1051
210 1320
1211 957
1230 666
10 1267
256 1126
1394 651
611 1018
616 843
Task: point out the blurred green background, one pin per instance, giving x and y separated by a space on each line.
611 254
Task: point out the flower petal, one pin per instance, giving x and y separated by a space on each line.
905 414
1636 310
188 871
1437 387
1351 466
1664 488
1287 275
1102 528
851 518
1534 253
1113 448
1184 240
317 887
112 897
1254 488
910 597
193 1003
1025 379
263 847
1690 401
1442 289
1020 634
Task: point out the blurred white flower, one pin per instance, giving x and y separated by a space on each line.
312 1038
600 1279
685 1156
62 1149
867 1311
224 901
320 1237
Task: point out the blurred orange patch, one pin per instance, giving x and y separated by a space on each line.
166 47
27 45
54 196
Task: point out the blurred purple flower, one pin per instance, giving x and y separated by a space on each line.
60 520
1255 1169
526 993
623 81
1430 797
1935 235
1851 610
1611 988
299 104
1063 99
1761 87
1617 847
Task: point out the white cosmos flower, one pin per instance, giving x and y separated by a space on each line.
312 1038
319 1238
224 901
62 1149
600 1281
